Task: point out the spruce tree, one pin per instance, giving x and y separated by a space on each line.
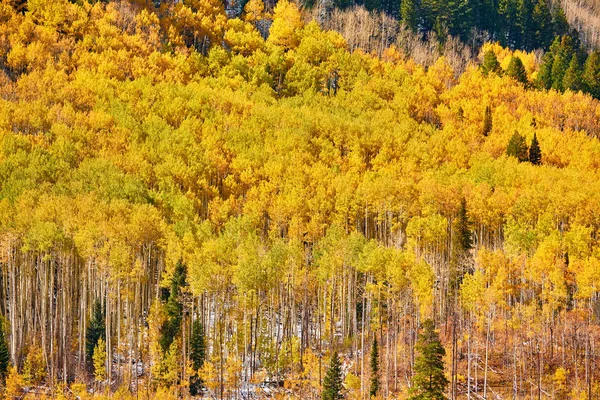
174 308
490 63
96 330
542 25
409 14
573 76
197 355
487 121
559 22
591 74
516 70
332 383
4 352
461 244
544 76
374 369
429 381
517 148
535 153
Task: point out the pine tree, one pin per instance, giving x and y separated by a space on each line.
490 63
544 76
542 25
374 369
517 147
174 308
559 22
429 381
4 352
461 244
516 70
197 355
591 74
487 121
563 49
409 15
332 383
535 153
573 76
96 330
526 25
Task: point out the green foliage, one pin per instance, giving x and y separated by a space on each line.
374 363
461 245
4 352
516 70
333 381
409 14
490 63
573 80
517 147
429 381
197 354
591 74
173 307
535 153
96 329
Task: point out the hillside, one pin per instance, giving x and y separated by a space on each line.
188 209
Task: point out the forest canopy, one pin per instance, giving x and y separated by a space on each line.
197 204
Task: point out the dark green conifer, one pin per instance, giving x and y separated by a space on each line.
4 352
332 384
591 74
95 330
429 381
197 355
516 70
374 369
573 76
409 14
517 148
542 25
174 308
490 63
535 153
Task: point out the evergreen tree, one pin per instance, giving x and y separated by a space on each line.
535 153
591 74
409 14
516 70
542 25
197 355
563 49
525 23
461 244
517 148
4 352
174 308
544 76
559 21
96 330
429 381
510 31
490 63
573 76
487 121
374 369
332 383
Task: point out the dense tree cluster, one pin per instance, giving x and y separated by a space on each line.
188 207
